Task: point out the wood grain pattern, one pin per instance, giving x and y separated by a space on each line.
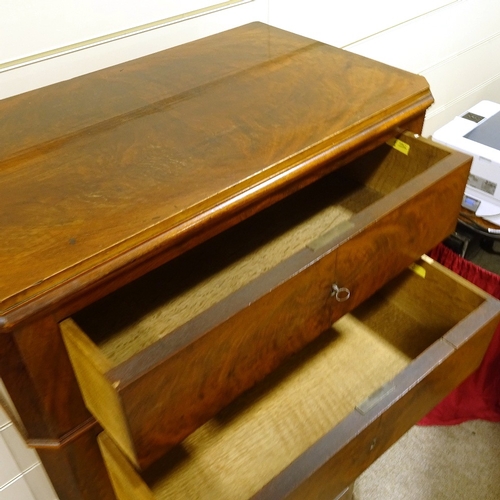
41 382
127 483
295 435
171 387
107 176
153 306
105 171
100 396
250 440
262 245
387 248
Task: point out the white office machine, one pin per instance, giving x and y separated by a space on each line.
477 133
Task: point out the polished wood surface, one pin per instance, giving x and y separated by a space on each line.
108 176
100 173
167 389
313 425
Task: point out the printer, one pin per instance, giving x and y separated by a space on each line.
477 133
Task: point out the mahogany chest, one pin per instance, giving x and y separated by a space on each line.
213 273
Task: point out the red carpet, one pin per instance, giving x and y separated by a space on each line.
478 397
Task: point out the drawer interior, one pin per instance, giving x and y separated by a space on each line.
256 437
146 310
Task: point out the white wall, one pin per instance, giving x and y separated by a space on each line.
22 476
46 41
453 43
51 24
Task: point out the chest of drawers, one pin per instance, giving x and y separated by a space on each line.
182 231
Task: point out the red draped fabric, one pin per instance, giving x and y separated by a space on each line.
478 397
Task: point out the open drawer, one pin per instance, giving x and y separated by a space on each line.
161 356
312 426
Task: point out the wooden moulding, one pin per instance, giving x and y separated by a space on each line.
310 428
153 400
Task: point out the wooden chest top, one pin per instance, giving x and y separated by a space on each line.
142 160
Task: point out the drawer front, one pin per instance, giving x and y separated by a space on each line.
384 247
155 399
310 428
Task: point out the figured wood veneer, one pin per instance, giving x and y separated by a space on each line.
171 296
260 251
106 176
163 301
249 443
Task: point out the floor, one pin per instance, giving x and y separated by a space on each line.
487 258
483 251
459 462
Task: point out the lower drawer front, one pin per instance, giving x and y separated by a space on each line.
311 427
